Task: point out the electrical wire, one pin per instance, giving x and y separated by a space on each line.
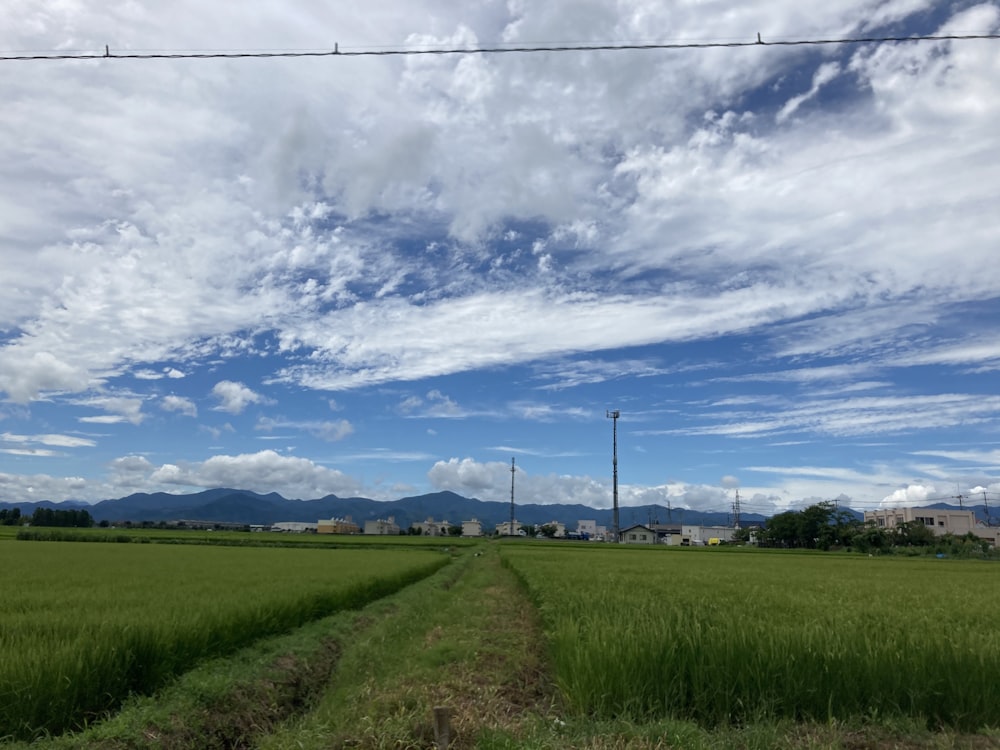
398 52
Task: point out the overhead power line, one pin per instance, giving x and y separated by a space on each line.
108 54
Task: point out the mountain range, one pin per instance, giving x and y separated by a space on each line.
242 506
245 507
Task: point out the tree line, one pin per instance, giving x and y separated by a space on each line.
75 518
824 526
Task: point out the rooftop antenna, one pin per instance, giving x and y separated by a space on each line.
511 530
613 416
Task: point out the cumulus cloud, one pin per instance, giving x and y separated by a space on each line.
180 404
234 397
264 471
491 481
911 495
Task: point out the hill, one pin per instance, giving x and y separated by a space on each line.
242 506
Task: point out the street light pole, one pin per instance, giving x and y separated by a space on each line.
511 528
613 416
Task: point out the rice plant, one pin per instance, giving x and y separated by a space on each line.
730 638
84 625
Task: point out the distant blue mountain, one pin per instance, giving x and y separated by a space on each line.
243 506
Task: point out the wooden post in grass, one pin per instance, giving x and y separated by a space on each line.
442 727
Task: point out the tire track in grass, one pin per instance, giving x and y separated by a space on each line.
474 647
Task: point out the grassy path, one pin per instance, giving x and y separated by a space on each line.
472 645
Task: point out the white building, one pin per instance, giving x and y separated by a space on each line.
939 520
587 527
560 529
638 534
510 529
294 527
698 536
430 527
472 528
382 527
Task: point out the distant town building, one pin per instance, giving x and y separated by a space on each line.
939 520
587 528
667 533
696 536
509 529
382 527
337 526
430 527
560 529
637 534
472 528
294 527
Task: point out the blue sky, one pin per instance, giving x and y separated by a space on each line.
389 276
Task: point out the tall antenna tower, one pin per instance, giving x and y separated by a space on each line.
511 528
736 511
613 416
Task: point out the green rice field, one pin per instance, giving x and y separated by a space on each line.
84 625
733 637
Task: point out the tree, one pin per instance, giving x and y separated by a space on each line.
548 530
870 539
51 517
782 530
912 534
454 530
529 529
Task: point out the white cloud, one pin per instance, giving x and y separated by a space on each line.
235 397
823 75
490 481
331 431
166 372
45 452
123 408
910 496
151 257
264 471
60 441
852 416
180 404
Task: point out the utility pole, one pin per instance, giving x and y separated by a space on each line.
512 532
613 416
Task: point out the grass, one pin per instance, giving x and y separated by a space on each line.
472 637
229 538
83 626
720 639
